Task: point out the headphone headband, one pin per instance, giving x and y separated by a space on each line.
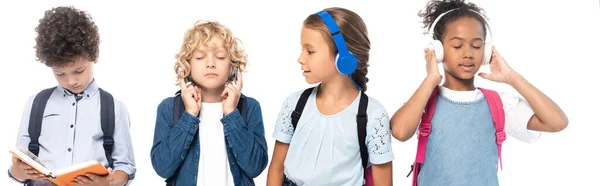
334 30
431 29
345 61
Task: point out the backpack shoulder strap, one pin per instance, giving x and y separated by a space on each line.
107 121
424 131
361 121
361 124
242 107
497 110
425 126
300 106
178 108
35 118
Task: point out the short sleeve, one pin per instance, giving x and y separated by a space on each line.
379 142
518 112
283 127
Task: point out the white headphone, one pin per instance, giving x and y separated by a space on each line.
437 46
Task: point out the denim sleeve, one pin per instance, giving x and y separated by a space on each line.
247 141
171 145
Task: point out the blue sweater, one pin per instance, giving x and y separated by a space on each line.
179 148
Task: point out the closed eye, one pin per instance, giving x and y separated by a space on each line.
477 43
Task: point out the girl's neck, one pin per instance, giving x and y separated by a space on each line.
454 83
337 89
211 95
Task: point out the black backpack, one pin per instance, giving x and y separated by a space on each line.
361 121
107 121
179 108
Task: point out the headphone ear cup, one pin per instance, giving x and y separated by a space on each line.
345 64
487 53
337 62
438 49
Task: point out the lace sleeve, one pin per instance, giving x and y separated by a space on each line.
283 127
378 140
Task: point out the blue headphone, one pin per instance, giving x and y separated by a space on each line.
345 62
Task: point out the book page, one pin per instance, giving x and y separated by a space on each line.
30 159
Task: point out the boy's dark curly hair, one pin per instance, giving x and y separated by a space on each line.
436 7
64 34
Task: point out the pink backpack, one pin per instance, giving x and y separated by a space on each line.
496 108
369 177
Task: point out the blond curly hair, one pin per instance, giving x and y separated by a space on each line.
201 33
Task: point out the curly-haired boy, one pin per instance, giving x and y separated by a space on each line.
76 121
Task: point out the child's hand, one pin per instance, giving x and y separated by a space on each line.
191 96
432 66
93 180
501 72
22 171
231 94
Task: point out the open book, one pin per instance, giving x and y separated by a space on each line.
61 177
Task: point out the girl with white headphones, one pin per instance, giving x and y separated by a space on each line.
462 129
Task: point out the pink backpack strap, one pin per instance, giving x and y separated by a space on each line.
424 131
425 126
497 110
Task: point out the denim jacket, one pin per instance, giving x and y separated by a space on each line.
176 151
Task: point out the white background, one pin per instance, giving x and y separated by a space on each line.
554 44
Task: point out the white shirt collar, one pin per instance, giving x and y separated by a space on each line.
461 96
